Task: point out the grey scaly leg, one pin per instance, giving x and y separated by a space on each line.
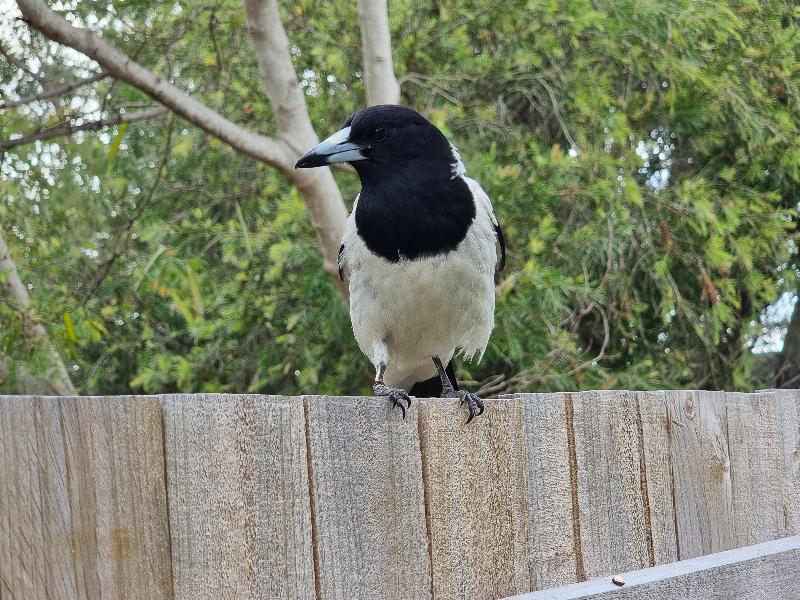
398 396
474 404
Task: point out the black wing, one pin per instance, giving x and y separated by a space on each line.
502 240
341 264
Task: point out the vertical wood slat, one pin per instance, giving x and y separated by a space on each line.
613 528
237 480
548 470
656 467
82 500
476 494
702 473
788 417
757 467
368 499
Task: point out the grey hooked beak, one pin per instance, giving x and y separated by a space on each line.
336 149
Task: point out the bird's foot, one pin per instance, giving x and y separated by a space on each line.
474 404
398 396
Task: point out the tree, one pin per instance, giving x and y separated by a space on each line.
642 158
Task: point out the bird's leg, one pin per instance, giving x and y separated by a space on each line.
398 396
474 404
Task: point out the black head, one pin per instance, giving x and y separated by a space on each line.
382 139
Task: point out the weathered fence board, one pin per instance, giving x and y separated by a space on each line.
788 418
613 532
476 495
655 465
368 500
765 571
702 472
82 503
550 473
225 496
238 496
756 455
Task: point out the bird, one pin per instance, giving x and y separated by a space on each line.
420 251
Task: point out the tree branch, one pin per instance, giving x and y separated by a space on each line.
296 133
59 91
376 49
47 134
122 67
55 378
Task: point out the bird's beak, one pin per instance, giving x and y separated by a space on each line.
336 149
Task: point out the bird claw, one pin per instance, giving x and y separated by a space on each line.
398 396
474 403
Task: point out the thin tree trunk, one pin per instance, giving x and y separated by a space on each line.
55 379
787 372
376 50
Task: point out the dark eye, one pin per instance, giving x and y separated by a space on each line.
380 134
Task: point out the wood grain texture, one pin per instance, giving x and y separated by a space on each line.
612 509
368 499
757 468
237 482
83 499
701 472
476 495
551 517
765 571
222 496
655 464
787 414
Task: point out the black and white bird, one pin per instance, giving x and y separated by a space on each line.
420 249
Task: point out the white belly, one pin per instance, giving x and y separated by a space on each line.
406 312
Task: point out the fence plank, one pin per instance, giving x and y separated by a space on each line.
702 473
368 499
549 472
613 528
476 493
757 468
238 493
655 465
787 408
765 571
86 506
130 496
38 531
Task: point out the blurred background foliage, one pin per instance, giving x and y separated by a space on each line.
643 158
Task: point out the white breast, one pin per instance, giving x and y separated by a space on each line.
424 307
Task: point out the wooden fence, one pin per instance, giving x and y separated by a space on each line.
222 496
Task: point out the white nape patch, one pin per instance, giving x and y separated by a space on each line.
457 167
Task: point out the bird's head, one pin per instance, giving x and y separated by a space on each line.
379 140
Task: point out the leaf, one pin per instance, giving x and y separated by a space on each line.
115 143
70 328
247 245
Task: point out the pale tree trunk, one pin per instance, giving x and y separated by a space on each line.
318 187
54 380
376 51
787 371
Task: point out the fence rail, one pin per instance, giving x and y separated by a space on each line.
229 496
765 571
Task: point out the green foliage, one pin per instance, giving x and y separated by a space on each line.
643 157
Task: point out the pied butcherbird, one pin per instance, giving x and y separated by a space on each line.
420 250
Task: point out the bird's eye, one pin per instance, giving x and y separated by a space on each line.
380 134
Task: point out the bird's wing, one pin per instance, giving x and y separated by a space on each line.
341 262
482 201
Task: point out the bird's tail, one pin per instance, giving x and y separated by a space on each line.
432 388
